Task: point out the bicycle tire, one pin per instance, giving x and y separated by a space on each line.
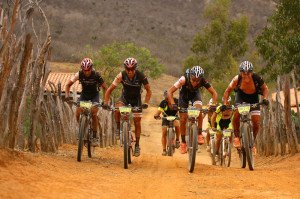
213 150
247 146
193 142
130 151
225 152
170 149
89 144
81 137
125 143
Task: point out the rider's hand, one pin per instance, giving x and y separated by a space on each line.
212 108
105 106
156 117
174 107
223 108
265 102
214 129
144 106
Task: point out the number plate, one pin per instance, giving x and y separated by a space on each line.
227 133
244 109
125 109
193 113
170 118
84 104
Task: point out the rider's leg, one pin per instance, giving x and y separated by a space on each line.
164 137
219 137
198 104
236 128
256 123
94 121
137 127
177 132
183 118
118 115
78 111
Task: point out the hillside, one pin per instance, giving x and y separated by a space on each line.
165 27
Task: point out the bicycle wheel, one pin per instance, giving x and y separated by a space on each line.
125 144
170 140
89 144
248 145
192 148
213 150
130 147
225 152
81 133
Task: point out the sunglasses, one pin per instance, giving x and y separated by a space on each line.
130 69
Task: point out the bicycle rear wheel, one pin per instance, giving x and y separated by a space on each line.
89 144
192 146
125 144
225 152
82 129
170 142
247 139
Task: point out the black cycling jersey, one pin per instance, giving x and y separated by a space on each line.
241 96
90 85
132 88
167 110
189 93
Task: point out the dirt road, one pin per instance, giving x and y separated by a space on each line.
27 175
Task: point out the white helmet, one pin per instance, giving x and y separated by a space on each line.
246 66
228 100
210 102
197 72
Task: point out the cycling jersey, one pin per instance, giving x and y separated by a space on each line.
131 92
90 85
220 123
188 92
249 98
167 111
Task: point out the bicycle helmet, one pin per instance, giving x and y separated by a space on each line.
210 102
196 72
246 66
130 63
86 64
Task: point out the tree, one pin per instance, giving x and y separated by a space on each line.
218 46
109 60
279 43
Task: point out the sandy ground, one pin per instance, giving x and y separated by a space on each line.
41 175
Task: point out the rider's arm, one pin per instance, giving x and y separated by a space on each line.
265 91
104 88
213 120
148 93
71 81
108 92
174 88
158 112
228 90
214 94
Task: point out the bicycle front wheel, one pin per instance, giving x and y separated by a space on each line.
82 129
213 150
125 144
192 146
225 152
247 141
170 142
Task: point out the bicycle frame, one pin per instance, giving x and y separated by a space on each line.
170 134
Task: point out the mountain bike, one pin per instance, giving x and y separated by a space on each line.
85 131
170 134
225 144
192 134
126 137
246 134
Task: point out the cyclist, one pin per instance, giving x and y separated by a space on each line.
220 120
189 85
248 86
91 82
166 109
132 81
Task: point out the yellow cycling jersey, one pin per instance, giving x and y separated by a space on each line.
221 123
